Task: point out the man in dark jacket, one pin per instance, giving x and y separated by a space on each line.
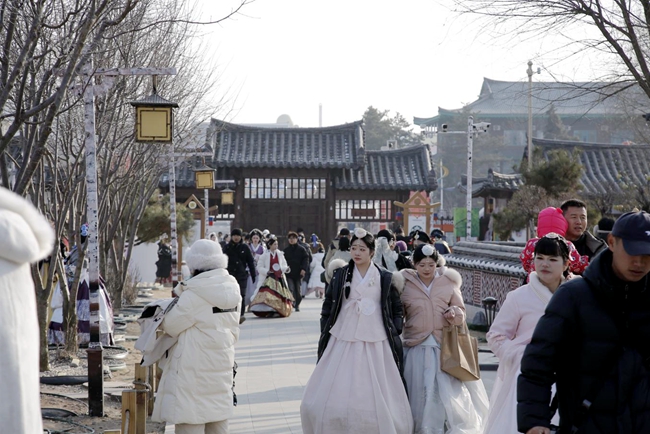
240 257
302 240
298 262
575 213
592 342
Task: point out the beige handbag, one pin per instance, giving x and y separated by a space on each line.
459 353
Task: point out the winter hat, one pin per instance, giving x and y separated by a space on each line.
551 220
236 231
206 255
401 246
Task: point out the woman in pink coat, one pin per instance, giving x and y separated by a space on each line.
514 325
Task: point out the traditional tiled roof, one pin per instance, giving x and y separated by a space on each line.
582 99
401 169
491 257
253 146
494 181
605 166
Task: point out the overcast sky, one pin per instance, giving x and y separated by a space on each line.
408 56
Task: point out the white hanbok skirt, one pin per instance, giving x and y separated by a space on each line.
440 403
356 389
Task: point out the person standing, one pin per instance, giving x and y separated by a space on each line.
195 391
432 300
575 213
26 238
513 328
272 295
164 263
298 261
303 242
334 246
357 385
239 258
592 342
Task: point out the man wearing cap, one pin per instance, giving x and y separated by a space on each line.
439 243
240 257
593 343
575 213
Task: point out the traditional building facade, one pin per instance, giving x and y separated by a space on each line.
317 179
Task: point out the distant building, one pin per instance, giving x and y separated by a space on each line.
586 109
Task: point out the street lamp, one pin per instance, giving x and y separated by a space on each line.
472 130
154 124
529 71
204 178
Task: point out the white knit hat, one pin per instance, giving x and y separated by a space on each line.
206 255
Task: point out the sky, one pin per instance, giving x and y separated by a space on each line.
408 56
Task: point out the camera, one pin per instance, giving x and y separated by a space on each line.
444 127
482 126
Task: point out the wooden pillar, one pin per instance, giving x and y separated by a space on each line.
142 397
129 406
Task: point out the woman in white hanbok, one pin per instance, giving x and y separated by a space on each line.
513 328
357 385
440 403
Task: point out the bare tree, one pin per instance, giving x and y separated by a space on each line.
619 32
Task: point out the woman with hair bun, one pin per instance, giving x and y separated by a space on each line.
272 296
357 385
432 300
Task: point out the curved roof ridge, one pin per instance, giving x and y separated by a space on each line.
214 121
572 143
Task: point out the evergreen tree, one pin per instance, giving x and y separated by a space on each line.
555 128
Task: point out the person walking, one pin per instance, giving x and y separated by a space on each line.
437 235
298 261
303 243
432 300
272 295
513 328
195 391
164 263
385 253
257 249
575 213
26 238
592 342
357 385
240 263
316 282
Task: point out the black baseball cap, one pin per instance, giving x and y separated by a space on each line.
634 229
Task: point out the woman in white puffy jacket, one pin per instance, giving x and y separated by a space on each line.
195 391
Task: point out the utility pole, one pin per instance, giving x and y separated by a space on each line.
529 71
470 150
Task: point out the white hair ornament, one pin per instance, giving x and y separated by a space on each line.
360 232
428 250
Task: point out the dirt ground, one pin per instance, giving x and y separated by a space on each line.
112 403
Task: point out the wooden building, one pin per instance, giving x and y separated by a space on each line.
318 179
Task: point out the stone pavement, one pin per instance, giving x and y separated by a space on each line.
276 356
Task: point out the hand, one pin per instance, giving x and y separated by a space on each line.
302 273
539 430
450 314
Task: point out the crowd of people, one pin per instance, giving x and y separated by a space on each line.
572 341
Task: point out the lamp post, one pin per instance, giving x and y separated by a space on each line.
529 71
204 178
90 90
154 124
472 130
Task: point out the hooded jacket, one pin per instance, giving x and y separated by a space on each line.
424 312
392 311
586 343
196 386
26 238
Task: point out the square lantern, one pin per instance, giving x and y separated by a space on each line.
153 119
204 177
227 197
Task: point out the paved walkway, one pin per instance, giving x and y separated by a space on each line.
276 357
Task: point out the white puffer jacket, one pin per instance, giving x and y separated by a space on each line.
196 386
26 238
